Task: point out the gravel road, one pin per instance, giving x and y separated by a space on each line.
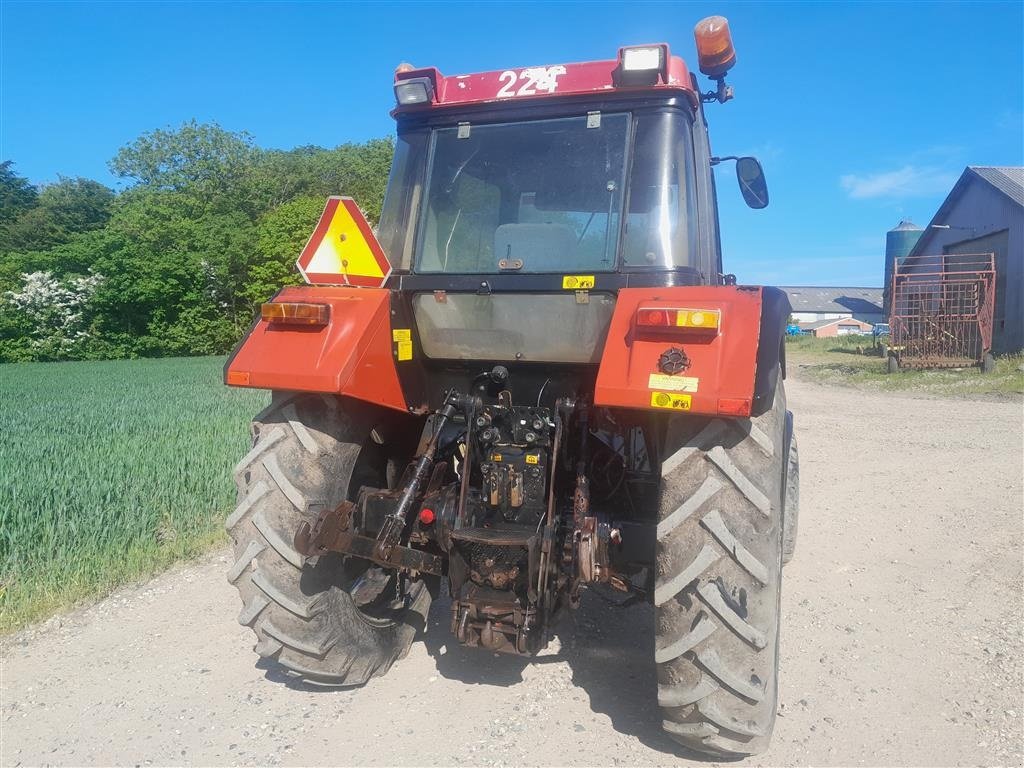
901 644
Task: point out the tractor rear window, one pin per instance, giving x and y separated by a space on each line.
539 196
551 328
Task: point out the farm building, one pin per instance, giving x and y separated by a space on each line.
837 326
984 213
813 303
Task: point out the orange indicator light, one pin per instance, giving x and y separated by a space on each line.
295 313
693 319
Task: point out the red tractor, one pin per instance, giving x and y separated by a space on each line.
534 377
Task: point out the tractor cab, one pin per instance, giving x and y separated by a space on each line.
597 167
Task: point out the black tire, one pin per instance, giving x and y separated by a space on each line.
718 579
311 452
791 508
988 363
892 363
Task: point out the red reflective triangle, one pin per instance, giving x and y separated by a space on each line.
343 249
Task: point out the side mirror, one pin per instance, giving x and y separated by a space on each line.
752 183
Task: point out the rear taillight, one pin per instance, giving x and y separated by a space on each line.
672 319
734 406
295 313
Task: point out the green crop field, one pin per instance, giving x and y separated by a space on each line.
110 471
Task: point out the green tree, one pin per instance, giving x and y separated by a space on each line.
65 209
57 311
176 282
209 228
356 170
17 195
280 236
201 160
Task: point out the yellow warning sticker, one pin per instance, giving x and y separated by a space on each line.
673 383
666 400
532 459
496 457
577 282
403 339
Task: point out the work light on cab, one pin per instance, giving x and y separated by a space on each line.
642 65
415 90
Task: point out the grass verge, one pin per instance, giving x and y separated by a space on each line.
111 471
852 361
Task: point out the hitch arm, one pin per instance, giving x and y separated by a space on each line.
329 533
395 523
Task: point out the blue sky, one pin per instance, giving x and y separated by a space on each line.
861 113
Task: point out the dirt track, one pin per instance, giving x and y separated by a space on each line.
902 639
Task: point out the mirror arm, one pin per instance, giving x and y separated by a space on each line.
716 160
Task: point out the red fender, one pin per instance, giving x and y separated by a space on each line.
720 363
352 355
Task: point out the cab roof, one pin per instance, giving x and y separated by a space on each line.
547 82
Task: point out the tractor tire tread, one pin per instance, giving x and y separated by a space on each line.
791 510
303 455
717 581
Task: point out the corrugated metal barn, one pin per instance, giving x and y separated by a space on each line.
984 213
811 303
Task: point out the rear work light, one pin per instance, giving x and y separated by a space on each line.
294 313
415 90
643 59
642 64
671 319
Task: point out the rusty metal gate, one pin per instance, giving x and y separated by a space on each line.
942 310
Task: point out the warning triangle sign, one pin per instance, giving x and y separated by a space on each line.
343 249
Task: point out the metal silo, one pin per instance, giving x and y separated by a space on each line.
899 241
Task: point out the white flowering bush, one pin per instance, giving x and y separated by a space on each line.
55 307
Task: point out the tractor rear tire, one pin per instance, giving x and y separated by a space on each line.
311 452
718 579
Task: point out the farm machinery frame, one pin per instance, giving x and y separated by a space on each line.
942 312
534 378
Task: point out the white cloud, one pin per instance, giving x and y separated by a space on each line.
908 181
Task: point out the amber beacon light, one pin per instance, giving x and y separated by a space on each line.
714 46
